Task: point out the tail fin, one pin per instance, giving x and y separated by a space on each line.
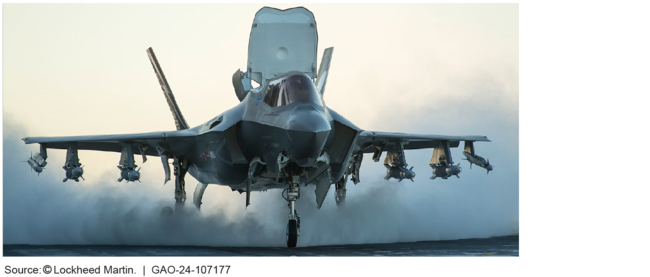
324 69
181 124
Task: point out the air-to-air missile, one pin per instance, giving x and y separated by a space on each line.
444 171
399 172
477 160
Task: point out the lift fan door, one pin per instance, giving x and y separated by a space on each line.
282 42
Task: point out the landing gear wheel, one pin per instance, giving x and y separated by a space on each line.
292 233
340 201
167 211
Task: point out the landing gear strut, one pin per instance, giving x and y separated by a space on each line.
293 226
180 169
341 191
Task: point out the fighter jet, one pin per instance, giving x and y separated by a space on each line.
280 135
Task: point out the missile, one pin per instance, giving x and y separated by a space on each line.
73 168
37 163
445 171
73 173
35 166
129 174
478 160
399 173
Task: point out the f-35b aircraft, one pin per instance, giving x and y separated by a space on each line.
280 136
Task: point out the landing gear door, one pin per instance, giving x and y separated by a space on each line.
282 41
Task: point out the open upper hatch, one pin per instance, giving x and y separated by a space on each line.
282 41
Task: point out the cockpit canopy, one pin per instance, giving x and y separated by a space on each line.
294 88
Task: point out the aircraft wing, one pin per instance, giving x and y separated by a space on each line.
152 144
411 141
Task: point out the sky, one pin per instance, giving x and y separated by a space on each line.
82 69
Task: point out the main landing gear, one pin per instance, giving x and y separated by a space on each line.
341 191
180 169
293 226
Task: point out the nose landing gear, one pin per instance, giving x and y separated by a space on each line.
293 231
293 226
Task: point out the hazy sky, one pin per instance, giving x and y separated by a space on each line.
75 69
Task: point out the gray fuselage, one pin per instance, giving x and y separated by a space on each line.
300 131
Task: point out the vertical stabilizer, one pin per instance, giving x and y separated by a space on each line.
181 124
324 70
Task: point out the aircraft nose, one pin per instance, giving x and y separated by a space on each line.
308 131
308 119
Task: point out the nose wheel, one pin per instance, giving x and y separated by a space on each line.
292 233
